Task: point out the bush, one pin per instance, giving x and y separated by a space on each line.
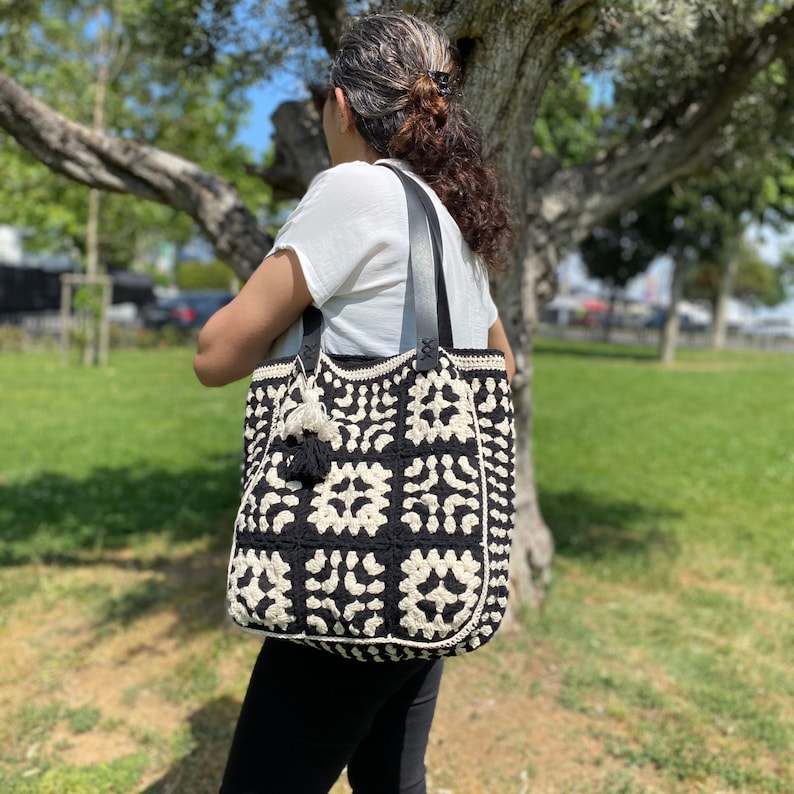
162 338
12 338
193 275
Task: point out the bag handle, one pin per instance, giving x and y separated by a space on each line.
431 306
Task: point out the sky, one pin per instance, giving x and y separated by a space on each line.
256 134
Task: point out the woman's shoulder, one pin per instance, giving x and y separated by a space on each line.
353 188
355 175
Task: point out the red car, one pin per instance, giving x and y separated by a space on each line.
187 310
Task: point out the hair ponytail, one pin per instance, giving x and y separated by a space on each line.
440 141
385 66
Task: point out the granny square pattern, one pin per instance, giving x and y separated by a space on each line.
397 546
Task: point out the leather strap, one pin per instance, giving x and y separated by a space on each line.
431 306
312 330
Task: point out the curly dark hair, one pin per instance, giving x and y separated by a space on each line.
383 66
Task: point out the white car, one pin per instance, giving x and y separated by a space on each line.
772 328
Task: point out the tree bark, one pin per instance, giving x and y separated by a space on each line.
300 152
668 342
609 320
719 330
120 165
330 17
93 321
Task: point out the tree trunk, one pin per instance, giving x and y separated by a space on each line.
533 544
91 320
95 319
719 330
669 334
495 36
109 58
609 320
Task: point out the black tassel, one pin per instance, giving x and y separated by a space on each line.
311 460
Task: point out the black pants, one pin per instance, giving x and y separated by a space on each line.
307 713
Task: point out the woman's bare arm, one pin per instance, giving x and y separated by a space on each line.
238 336
497 340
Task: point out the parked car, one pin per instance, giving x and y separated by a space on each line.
187 310
772 328
686 321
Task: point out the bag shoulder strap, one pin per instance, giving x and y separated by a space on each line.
431 306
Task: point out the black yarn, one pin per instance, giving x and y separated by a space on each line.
311 460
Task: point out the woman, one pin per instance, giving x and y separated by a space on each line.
344 249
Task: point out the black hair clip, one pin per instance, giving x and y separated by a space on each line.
441 79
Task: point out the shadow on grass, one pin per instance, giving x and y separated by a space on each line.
587 525
56 519
173 527
200 771
190 587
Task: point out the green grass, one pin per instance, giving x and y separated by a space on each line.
118 777
669 619
669 493
704 450
97 459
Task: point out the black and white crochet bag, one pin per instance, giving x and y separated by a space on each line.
378 494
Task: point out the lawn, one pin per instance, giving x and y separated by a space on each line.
661 661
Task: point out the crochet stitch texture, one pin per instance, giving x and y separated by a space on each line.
401 550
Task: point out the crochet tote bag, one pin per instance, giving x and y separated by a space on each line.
377 509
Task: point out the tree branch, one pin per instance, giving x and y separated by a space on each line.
300 150
330 16
126 166
578 198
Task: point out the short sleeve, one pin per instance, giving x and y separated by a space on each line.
346 217
492 312
350 235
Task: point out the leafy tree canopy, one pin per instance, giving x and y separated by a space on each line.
622 248
756 281
191 274
177 72
568 121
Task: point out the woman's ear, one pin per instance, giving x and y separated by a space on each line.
344 113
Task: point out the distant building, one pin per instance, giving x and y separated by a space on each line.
10 245
13 253
30 281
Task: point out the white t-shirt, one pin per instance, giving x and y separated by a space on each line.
350 234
